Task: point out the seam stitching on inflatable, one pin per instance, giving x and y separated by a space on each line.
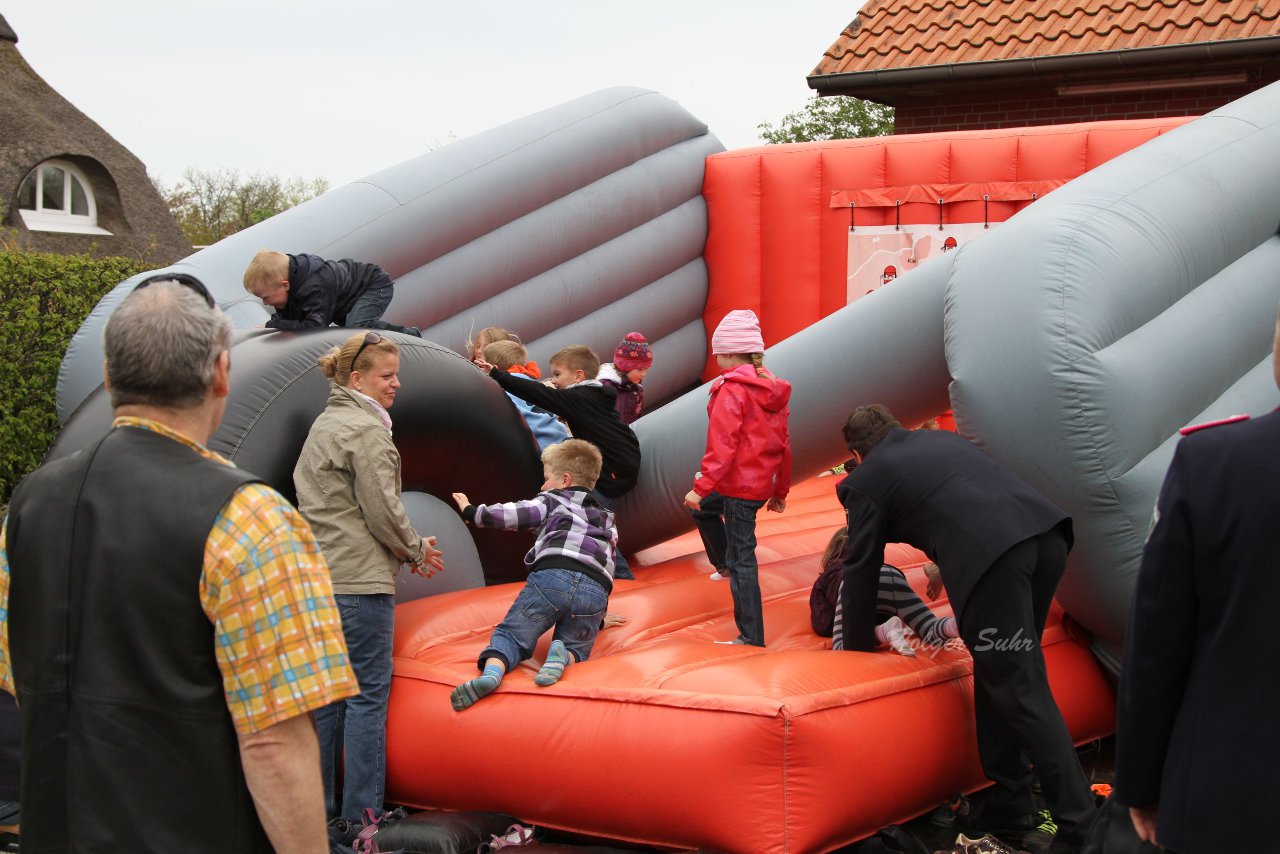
786 769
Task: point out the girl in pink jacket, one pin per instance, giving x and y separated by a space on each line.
747 465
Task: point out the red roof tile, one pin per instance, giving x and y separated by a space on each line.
892 34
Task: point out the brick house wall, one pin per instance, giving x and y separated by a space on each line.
1004 106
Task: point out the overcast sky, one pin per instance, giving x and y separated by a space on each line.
343 89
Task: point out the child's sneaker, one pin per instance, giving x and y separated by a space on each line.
719 576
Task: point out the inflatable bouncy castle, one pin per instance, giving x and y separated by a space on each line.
1075 294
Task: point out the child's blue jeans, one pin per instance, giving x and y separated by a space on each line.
569 600
728 529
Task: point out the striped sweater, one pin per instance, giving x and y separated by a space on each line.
574 531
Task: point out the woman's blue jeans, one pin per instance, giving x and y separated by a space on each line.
353 732
728 529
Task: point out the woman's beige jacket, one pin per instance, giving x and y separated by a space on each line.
348 483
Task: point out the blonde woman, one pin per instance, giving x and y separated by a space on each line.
348 483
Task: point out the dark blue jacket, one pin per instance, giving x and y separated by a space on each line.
1199 687
322 292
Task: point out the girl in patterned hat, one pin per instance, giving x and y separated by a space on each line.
625 375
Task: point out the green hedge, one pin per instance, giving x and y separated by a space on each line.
43 300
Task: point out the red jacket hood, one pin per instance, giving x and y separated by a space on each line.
771 393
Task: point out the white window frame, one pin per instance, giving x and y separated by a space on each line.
61 220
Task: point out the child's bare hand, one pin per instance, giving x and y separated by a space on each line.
460 498
692 500
480 363
611 619
777 505
934 590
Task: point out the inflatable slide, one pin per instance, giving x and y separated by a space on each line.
1095 288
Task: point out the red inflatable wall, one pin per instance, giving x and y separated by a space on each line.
779 215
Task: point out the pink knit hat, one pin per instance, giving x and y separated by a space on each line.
738 333
633 353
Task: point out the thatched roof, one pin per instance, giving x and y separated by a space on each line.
38 124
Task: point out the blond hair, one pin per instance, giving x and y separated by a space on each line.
487 336
755 360
504 354
337 363
578 458
835 547
578 357
266 271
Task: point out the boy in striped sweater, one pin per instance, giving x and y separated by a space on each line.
571 568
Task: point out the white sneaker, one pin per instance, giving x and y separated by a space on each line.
716 576
892 632
738 641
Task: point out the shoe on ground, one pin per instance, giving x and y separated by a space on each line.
342 833
945 815
983 845
1041 839
984 822
719 576
738 641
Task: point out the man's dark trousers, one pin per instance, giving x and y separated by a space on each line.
1017 718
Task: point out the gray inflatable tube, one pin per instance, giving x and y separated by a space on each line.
574 225
1139 298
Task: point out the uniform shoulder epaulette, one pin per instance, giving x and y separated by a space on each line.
1195 428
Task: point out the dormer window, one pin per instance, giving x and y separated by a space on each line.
56 196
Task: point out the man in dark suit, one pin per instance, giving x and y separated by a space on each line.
1001 547
1196 751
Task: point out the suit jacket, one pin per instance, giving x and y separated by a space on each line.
943 495
1199 687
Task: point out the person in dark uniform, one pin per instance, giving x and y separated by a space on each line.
1001 547
1196 751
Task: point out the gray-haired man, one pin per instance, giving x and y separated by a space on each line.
166 620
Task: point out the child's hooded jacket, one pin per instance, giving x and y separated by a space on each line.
748 443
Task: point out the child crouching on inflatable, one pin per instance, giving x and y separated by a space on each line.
571 569
747 465
308 292
895 600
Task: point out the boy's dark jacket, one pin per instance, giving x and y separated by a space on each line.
322 292
587 407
